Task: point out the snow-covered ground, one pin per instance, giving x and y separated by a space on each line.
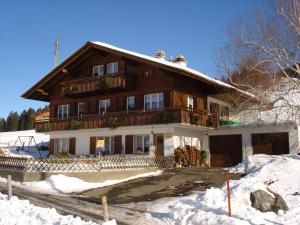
19 143
61 184
21 212
210 207
11 138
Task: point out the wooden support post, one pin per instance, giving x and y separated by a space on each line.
228 194
9 190
105 208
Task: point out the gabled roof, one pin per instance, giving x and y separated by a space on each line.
131 55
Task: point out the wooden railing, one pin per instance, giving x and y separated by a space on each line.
89 85
107 163
131 118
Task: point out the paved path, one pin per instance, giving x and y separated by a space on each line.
172 183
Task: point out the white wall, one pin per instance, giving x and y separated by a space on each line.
83 136
9 138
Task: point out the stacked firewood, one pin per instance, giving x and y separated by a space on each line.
187 156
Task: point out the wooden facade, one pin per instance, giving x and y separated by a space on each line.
73 83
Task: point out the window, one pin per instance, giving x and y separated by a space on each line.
80 109
142 143
112 68
63 111
224 112
61 145
98 70
154 101
148 73
130 103
104 106
105 145
190 102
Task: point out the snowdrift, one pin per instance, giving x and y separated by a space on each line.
279 173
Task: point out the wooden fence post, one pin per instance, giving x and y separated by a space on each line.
105 208
228 194
9 190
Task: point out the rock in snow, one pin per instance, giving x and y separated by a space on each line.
265 202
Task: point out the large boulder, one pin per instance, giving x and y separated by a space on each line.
265 202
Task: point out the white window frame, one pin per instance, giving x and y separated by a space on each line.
80 103
154 100
190 102
105 105
112 68
61 144
135 138
62 108
127 101
99 69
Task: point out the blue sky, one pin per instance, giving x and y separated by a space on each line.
196 29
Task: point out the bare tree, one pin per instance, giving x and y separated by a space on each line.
262 58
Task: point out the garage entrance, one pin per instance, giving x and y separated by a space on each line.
270 143
225 150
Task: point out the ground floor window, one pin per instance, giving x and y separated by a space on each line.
61 145
141 143
105 145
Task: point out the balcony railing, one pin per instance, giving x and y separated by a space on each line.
131 118
90 85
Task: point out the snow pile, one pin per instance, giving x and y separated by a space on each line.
61 184
20 212
279 173
25 153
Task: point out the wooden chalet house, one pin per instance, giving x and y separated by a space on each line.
104 98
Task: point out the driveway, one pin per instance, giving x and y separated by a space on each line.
174 182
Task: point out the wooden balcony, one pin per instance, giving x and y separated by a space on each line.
132 118
94 85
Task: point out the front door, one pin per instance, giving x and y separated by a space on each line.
159 145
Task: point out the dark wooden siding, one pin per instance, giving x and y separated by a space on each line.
270 143
225 150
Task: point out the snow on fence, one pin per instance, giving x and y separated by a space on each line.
110 163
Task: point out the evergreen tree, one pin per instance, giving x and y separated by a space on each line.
12 121
2 125
22 121
30 119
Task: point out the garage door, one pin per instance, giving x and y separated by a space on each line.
225 150
270 143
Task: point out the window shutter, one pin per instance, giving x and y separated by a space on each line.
195 103
72 108
121 66
118 144
129 144
86 107
166 99
51 146
96 107
92 145
72 146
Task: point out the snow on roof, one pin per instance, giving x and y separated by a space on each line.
173 65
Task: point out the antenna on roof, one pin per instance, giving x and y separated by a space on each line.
56 51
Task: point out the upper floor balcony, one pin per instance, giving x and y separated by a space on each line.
130 118
93 85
